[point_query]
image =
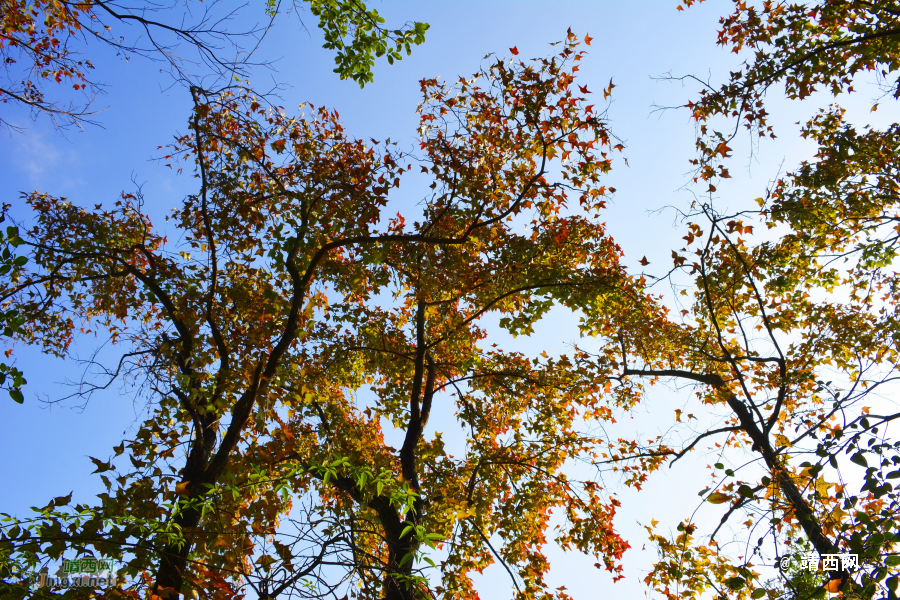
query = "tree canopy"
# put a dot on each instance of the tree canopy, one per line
(295, 321)
(792, 325)
(43, 43)
(300, 334)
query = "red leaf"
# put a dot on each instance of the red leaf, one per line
(644, 262)
(514, 50)
(583, 89)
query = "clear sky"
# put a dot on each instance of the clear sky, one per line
(46, 449)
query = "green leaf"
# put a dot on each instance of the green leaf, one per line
(17, 396)
(736, 583)
(62, 500)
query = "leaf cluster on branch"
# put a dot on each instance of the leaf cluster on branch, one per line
(790, 326)
(296, 324)
(43, 44)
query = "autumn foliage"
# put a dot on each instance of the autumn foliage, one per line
(789, 327)
(298, 322)
(46, 45)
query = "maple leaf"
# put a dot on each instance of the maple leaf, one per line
(718, 498)
(608, 91)
(514, 50)
(782, 441)
(102, 466)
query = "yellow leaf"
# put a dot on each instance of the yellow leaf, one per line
(822, 487)
(782, 441)
(836, 516)
(718, 498)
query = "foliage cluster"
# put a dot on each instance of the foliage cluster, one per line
(297, 326)
(42, 42)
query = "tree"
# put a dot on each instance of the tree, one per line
(791, 336)
(41, 43)
(297, 326)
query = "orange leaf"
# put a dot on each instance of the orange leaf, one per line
(608, 91)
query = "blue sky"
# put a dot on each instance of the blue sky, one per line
(634, 42)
